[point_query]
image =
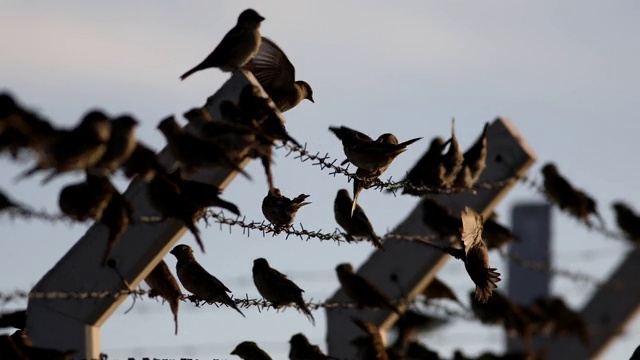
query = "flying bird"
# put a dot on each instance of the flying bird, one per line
(280, 210)
(198, 281)
(361, 290)
(276, 288)
(356, 226)
(276, 75)
(237, 47)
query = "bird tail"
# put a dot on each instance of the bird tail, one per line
(408, 142)
(115, 231)
(299, 200)
(267, 170)
(376, 242)
(27, 173)
(194, 230)
(305, 309)
(173, 304)
(229, 302)
(188, 73)
(227, 205)
(484, 290)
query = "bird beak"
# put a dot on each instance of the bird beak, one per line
(261, 18)
(311, 99)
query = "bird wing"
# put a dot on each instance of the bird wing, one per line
(471, 229)
(199, 274)
(271, 66)
(279, 279)
(351, 136)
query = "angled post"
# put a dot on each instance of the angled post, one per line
(606, 314)
(413, 264)
(66, 324)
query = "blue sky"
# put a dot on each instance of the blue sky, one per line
(565, 74)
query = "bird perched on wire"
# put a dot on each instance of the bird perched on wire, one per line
(474, 255)
(429, 172)
(475, 161)
(194, 151)
(361, 290)
(237, 47)
(116, 217)
(276, 288)
(276, 75)
(87, 199)
(560, 191)
(166, 198)
(452, 160)
(254, 106)
(249, 350)
(628, 221)
(496, 235)
(163, 284)
(280, 210)
(121, 144)
(302, 349)
(200, 194)
(142, 162)
(437, 218)
(371, 157)
(371, 346)
(439, 290)
(77, 149)
(198, 281)
(356, 226)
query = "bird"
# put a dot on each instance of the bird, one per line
(198, 281)
(276, 75)
(166, 198)
(356, 226)
(429, 172)
(561, 192)
(249, 350)
(256, 107)
(142, 163)
(361, 290)
(237, 47)
(452, 160)
(628, 221)
(121, 144)
(116, 217)
(365, 153)
(371, 346)
(194, 151)
(495, 235)
(301, 349)
(79, 148)
(87, 199)
(475, 161)
(18, 346)
(437, 289)
(437, 218)
(280, 210)
(371, 157)
(276, 288)
(202, 195)
(475, 256)
(163, 284)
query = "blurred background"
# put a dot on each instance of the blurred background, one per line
(565, 73)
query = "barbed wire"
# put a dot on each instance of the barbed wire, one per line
(327, 162)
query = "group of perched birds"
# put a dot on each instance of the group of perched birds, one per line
(100, 145)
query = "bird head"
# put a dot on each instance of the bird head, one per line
(437, 145)
(250, 16)
(182, 251)
(344, 268)
(549, 170)
(274, 192)
(245, 349)
(197, 116)
(126, 122)
(260, 263)
(343, 193)
(620, 207)
(299, 339)
(169, 126)
(387, 139)
(306, 89)
(97, 125)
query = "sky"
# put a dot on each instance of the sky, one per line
(565, 73)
